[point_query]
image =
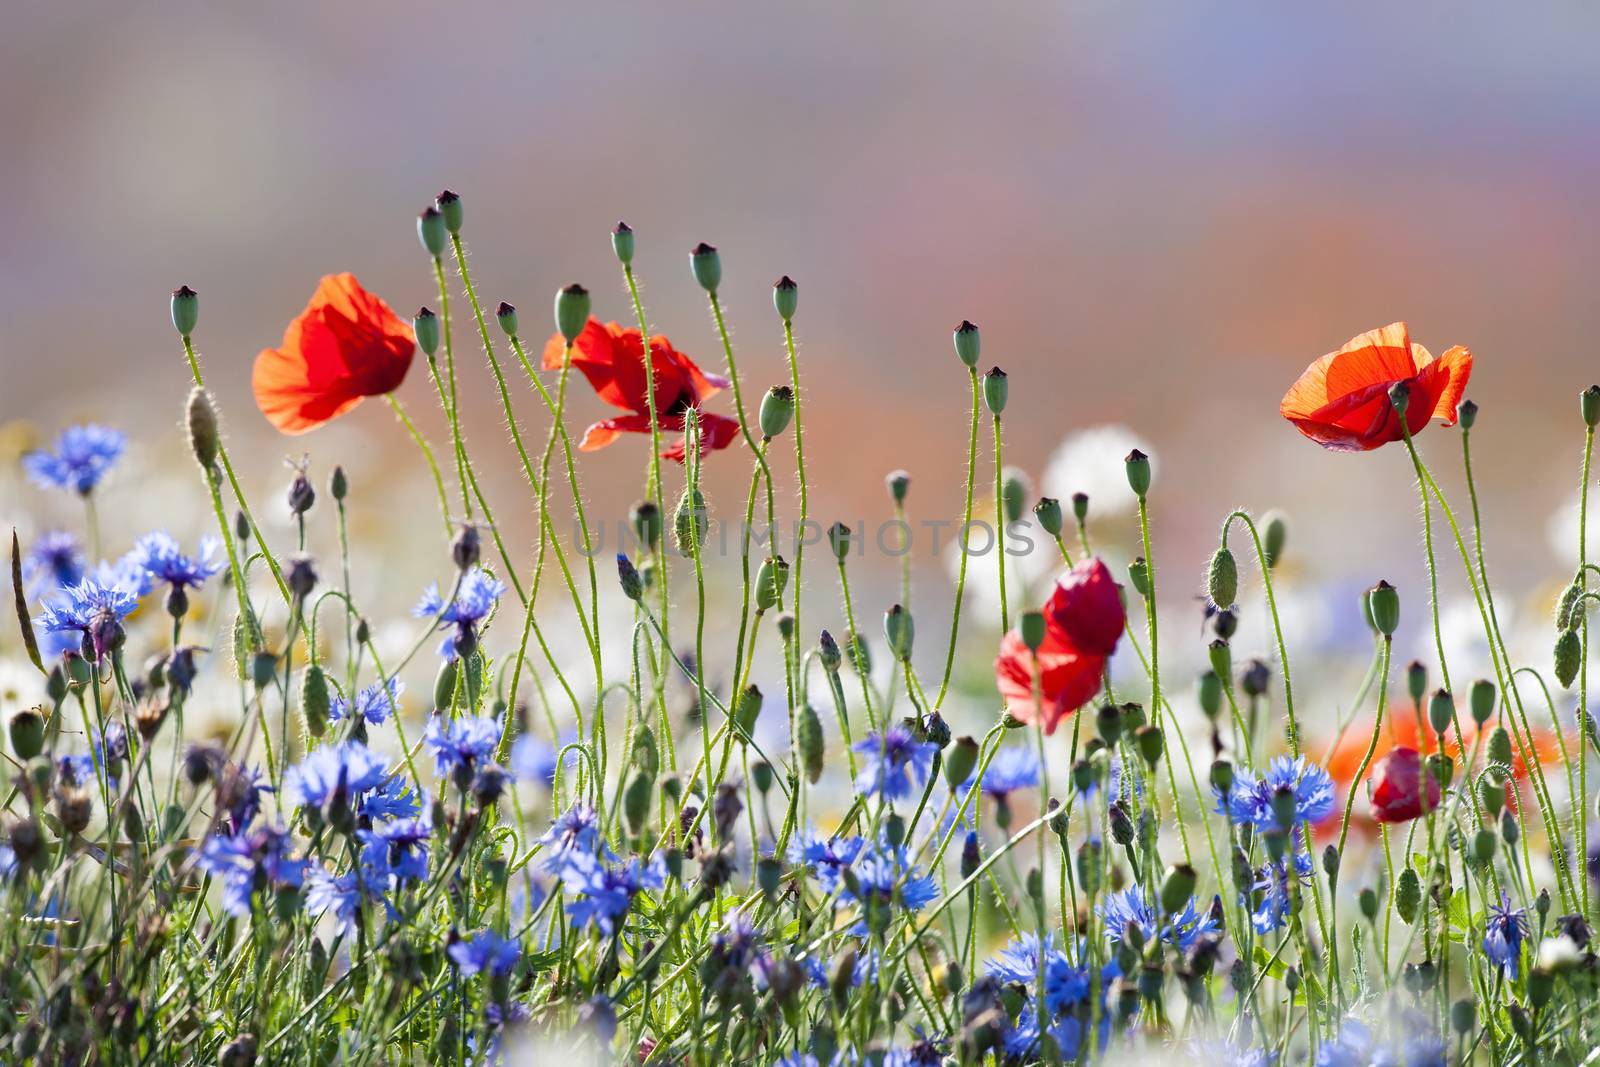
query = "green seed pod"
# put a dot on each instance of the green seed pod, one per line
(339, 484)
(1464, 1016)
(27, 733)
(506, 316)
(202, 420)
(995, 389)
(1443, 769)
(1139, 576)
(967, 343)
(1566, 617)
(646, 753)
(636, 801)
(646, 519)
(444, 684)
(1222, 776)
(1151, 743)
(1177, 887)
(1108, 721)
(628, 576)
(1568, 658)
(1330, 864)
(314, 700)
(769, 876)
(1408, 895)
(572, 311)
(1492, 795)
(808, 730)
(425, 326)
(1035, 884)
(839, 540)
(1080, 507)
(1222, 579)
(960, 761)
(1510, 832)
(1500, 746)
(1541, 983)
(431, 232)
(1032, 627)
(263, 669)
(449, 205)
(898, 631)
(1400, 398)
(785, 623)
(785, 297)
(707, 265)
(1221, 656)
(860, 655)
(1481, 700)
(1089, 866)
(747, 711)
(828, 653)
(1441, 711)
(1589, 405)
(1048, 511)
(1210, 693)
(1467, 414)
(1013, 494)
(761, 776)
(622, 242)
(1483, 846)
(186, 310)
(1273, 536)
(1367, 899)
(690, 523)
(898, 484)
(771, 580)
(954, 980)
(1137, 465)
(1383, 602)
(1416, 681)
(777, 408)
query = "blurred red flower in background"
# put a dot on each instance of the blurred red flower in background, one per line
(1342, 400)
(612, 358)
(1397, 784)
(1084, 617)
(345, 346)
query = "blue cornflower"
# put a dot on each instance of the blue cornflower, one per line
(240, 787)
(93, 610)
(1119, 910)
(885, 875)
(1352, 1047)
(485, 951)
(347, 770)
(826, 857)
(576, 830)
(606, 892)
(399, 846)
(161, 557)
(8, 862)
(396, 798)
(895, 763)
(475, 598)
(1019, 960)
(249, 860)
(81, 457)
(1270, 910)
(372, 703)
(865, 970)
(1011, 769)
(458, 745)
(54, 557)
(1507, 927)
(1227, 1053)
(1250, 801)
(533, 760)
(344, 895)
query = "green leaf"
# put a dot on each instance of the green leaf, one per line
(29, 641)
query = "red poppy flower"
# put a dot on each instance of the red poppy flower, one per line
(1342, 400)
(612, 358)
(1397, 783)
(346, 345)
(1084, 618)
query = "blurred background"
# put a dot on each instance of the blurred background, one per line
(1158, 214)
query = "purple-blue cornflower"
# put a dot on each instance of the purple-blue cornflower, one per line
(161, 557)
(372, 703)
(94, 610)
(344, 894)
(605, 892)
(1019, 960)
(826, 857)
(399, 846)
(1507, 928)
(1250, 800)
(349, 768)
(81, 457)
(485, 951)
(1270, 910)
(576, 830)
(459, 744)
(1012, 768)
(249, 860)
(477, 596)
(56, 558)
(895, 763)
(533, 760)
(396, 798)
(886, 875)
(1129, 907)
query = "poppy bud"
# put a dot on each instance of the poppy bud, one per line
(1273, 538)
(959, 763)
(202, 420)
(1210, 693)
(1108, 721)
(1139, 575)
(1225, 624)
(1464, 1016)
(785, 622)
(622, 242)
(808, 737)
(1441, 711)
(506, 315)
(1492, 795)
(839, 540)
(689, 523)
(1408, 895)
(314, 700)
(1467, 414)
(1222, 776)
(777, 408)
(898, 631)
(628, 575)
(572, 311)
(1500, 746)
(1121, 824)
(747, 710)
(860, 655)
(467, 547)
(646, 754)
(425, 325)
(444, 684)
(761, 776)
(1383, 603)
(1048, 512)
(1151, 743)
(1080, 507)
(707, 266)
(1138, 468)
(1330, 863)
(302, 575)
(771, 580)
(1568, 657)
(1588, 405)
(1255, 678)
(636, 801)
(431, 232)
(1284, 805)
(1509, 830)
(1400, 397)
(1221, 656)
(898, 483)
(828, 652)
(1013, 494)
(1483, 846)
(994, 391)
(1032, 628)
(647, 523)
(449, 205)
(1367, 900)
(1398, 785)
(27, 733)
(1222, 578)
(1416, 681)
(339, 484)
(1177, 887)
(1566, 617)
(967, 343)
